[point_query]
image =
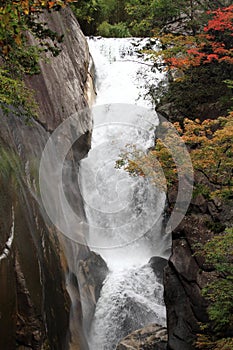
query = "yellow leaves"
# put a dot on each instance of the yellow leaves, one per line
(18, 39)
(181, 40)
(5, 50)
(206, 342)
(25, 7)
(174, 50)
(213, 151)
(51, 4)
(210, 146)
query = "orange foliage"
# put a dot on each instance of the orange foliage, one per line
(29, 6)
(210, 145)
(13, 19)
(215, 44)
(211, 148)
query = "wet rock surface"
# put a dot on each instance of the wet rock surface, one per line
(33, 294)
(91, 275)
(148, 338)
(187, 273)
(34, 302)
(158, 264)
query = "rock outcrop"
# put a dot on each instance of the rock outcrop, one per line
(158, 264)
(91, 275)
(187, 273)
(61, 88)
(151, 337)
(34, 302)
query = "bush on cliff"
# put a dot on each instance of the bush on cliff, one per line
(218, 252)
(17, 57)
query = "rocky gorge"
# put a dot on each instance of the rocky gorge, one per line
(50, 285)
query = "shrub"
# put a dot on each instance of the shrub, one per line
(118, 30)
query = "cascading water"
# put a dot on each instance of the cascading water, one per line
(124, 213)
(122, 70)
(130, 299)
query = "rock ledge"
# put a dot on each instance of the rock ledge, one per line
(150, 337)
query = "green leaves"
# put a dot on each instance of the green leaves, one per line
(219, 253)
(10, 168)
(118, 30)
(14, 93)
(17, 57)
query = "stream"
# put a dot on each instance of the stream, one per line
(124, 213)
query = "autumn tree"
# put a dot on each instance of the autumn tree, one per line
(213, 138)
(195, 61)
(214, 44)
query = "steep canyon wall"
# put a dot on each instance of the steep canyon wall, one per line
(34, 302)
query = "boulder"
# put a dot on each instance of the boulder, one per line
(158, 264)
(151, 337)
(92, 272)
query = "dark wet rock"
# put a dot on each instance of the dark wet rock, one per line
(199, 204)
(179, 313)
(182, 283)
(91, 275)
(158, 264)
(94, 270)
(32, 294)
(150, 337)
(187, 272)
(34, 302)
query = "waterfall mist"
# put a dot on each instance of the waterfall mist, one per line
(124, 213)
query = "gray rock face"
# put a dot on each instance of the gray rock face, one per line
(32, 294)
(34, 303)
(91, 275)
(187, 273)
(61, 87)
(158, 264)
(182, 283)
(148, 338)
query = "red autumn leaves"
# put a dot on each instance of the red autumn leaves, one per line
(214, 44)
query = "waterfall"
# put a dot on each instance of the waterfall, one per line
(124, 213)
(130, 299)
(9, 242)
(122, 69)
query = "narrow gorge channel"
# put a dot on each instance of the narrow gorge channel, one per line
(116, 220)
(124, 213)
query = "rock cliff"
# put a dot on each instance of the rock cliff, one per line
(187, 273)
(35, 273)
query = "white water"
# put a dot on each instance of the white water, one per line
(122, 70)
(9, 242)
(124, 213)
(127, 303)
